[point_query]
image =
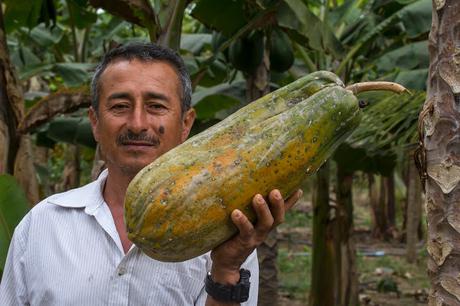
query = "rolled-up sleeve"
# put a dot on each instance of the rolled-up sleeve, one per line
(13, 289)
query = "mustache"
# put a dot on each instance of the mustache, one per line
(129, 136)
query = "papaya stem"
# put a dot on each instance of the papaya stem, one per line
(378, 85)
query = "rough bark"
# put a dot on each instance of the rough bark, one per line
(348, 277)
(324, 290)
(440, 155)
(62, 102)
(413, 212)
(11, 109)
(16, 152)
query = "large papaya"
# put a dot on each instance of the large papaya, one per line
(179, 206)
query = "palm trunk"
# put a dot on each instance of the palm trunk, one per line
(390, 201)
(377, 201)
(440, 155)
(324, 290)
(348, 280)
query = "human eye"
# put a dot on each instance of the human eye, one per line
(119, 107)
(155, 106)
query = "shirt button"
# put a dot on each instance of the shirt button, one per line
(121, 271)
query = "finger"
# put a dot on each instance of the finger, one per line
(276, 206)
(264, 216)
(245, 227)
(293, 199)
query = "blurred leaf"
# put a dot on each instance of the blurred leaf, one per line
(24, 56)
(46, 37)
(13, 207)
(72, 130)
(21, 13)
(417, 17)
(307, 29)
(410, 56)
(42, 139)
(80, 3)
(226, 16)
(29, 71)
(235, 90)
(208, 107)
(195, 42)
(413, 79)
(73, 74)
(139, 12)
(215, 74)
(82, 17)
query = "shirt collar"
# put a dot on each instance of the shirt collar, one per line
(88, 196)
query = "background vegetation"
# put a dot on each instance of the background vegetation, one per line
(236, 51)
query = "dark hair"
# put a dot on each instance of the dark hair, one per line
(147, 52)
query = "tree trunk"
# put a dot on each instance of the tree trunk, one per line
(377, 200)
(390, 206)
(324, 290)
(11, 109)
(390, 200)
(413, 212)
(348, 277)
(15, 151)
(440, 155)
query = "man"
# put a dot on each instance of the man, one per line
(72, 248)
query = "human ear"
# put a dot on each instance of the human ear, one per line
(187, 122)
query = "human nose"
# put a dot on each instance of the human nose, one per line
(137, 122)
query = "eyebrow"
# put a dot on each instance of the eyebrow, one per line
(119, 95)
(147, 95)
(156, 96)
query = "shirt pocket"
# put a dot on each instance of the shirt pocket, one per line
(176, 288)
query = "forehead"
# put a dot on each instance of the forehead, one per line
(140, 75)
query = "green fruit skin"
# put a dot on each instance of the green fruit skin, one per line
(246, 53)
(179, 206)
(281, 52)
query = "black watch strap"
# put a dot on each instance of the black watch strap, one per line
(230, 294)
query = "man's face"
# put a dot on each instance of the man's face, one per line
(140, 114)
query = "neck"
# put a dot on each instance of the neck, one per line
(115, 187)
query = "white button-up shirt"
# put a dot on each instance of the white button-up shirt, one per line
(67, 251)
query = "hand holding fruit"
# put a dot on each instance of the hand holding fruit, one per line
(229, 256)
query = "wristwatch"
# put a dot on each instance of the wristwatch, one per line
(227, 293)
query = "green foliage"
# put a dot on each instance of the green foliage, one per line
(13, 207)
(227, 21)
(307, 29)
(295, 269)
(74, 130)
(389, 123)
